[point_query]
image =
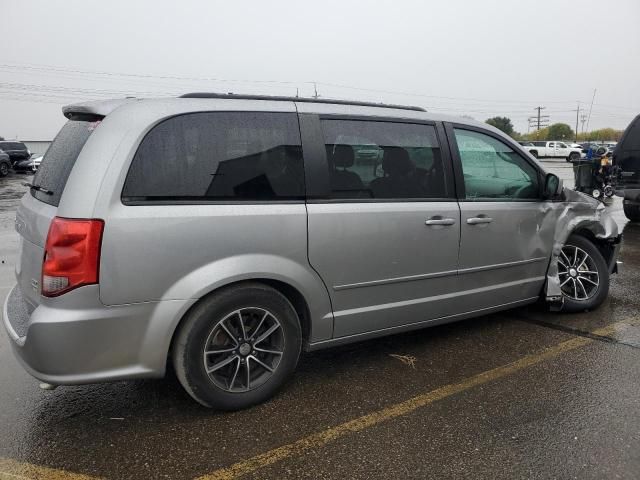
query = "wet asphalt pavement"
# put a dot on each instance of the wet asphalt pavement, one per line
(521, 394)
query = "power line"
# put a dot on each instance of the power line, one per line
(64, 70)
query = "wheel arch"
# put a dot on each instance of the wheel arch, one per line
(605, 246)
(290, 292)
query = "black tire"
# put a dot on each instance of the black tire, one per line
(573, 156)
(534, 153)
(632, 212)
(194, 334)
(4, 169)
(600, 292)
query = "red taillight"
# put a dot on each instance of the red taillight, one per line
(71, 255)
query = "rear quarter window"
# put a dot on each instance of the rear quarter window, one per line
(59, 160)
(218, 156)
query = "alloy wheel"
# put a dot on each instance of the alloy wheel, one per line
(244, 349)
(579, 278)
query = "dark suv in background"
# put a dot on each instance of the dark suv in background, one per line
(19, 155)
(626, 156)
(5, 164)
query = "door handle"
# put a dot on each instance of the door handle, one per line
(440, 221)
(479, 220)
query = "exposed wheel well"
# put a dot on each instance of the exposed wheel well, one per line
(604, 246)
(291, 293)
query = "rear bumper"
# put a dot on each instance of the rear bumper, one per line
(83, 341)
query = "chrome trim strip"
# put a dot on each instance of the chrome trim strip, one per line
(411, 278)
(416, 325)
(417, 301)
(501, 265)
(384, 281)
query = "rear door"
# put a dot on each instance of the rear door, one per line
(506, 232)
(562, 150)
(383, 222)
(37, 208)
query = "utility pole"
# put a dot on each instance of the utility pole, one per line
(315, 90)
(583, 119)
(577, 115)
(591, 108)
(539, 120)
(539, 109)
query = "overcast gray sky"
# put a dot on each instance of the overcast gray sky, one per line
(480, 58)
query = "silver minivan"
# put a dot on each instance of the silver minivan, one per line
(226, 233)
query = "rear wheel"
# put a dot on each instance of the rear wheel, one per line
(573, 156)
(237, 347)
(534, 153)
(4, 169)
(632, 212)
(583, 273)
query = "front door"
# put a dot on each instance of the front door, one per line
(506, 231)
(385, 239)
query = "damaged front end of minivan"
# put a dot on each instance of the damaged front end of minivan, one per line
(580, 214)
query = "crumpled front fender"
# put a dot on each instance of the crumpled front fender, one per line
(576, 212)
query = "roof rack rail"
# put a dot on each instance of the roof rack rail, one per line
(299, 99)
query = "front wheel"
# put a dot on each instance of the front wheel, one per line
(573, 156)
(237, 347)
(583, 273)
(632, 212)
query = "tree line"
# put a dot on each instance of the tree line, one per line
(556, 131)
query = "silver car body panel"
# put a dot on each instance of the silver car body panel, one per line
(373, 283)
(364, 269)
(510, 253)
(577, 212)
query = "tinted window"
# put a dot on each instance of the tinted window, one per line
(59, 160)
(368, 159)
(218, 156)
(12, 146)
(492, 170)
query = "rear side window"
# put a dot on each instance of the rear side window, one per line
(235, 156)
(59, 160)
(386, 160)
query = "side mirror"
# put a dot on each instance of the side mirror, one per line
(552, 187)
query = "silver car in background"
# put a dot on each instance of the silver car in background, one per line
(226, 233)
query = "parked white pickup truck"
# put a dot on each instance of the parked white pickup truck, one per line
(553, 149)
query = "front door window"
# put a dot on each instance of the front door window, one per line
(493, 170)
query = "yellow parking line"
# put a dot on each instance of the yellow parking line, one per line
(322, 438)
(12, 470)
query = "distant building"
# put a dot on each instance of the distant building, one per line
(37, 147)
